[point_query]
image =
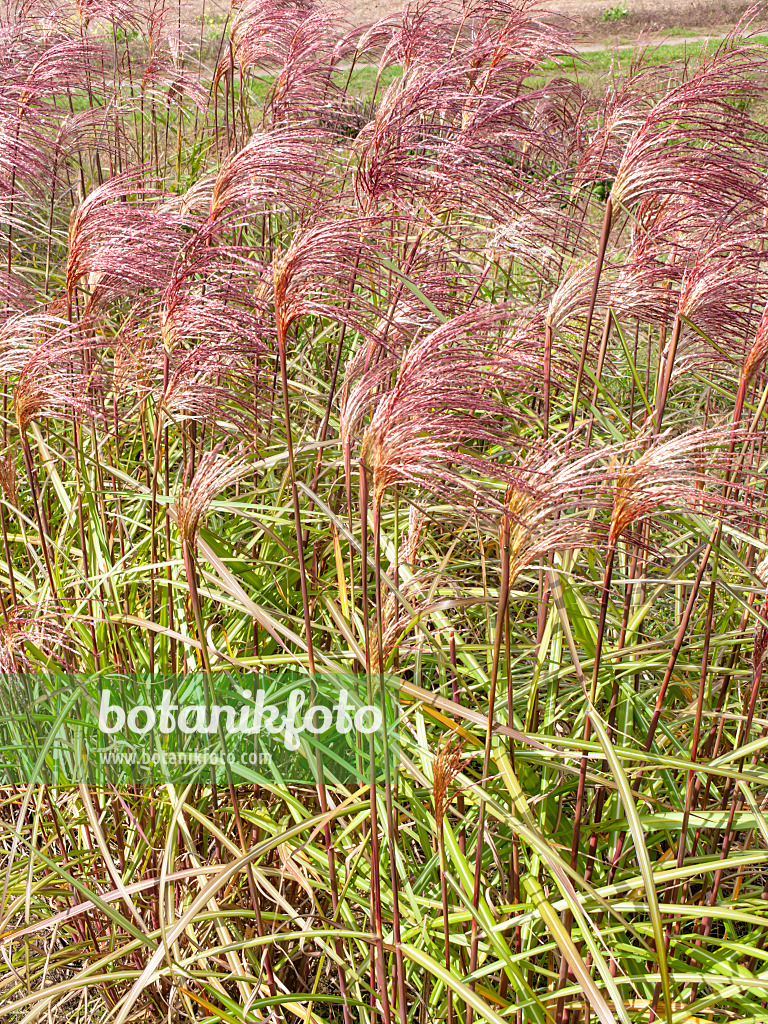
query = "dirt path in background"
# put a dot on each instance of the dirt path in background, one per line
(697, 17)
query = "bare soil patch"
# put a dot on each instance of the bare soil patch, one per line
(586, 17)
(697, 16)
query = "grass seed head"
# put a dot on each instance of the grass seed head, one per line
(213, 474)
(447, 764)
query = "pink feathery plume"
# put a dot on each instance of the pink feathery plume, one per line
(392, 159)
(572, 297)
(697, 142)
(125, 14)
(169, 83)
(373, 39)
(263, 31)
(24, 334)
(318, 269)
(436, 143)
(552, 496)
(550, 502)
(199, 317)
(50, 383)
(28, 121)
(444, 407)
(560, 110)
(647, 285)
(211, 297)
(300, 44)
(15, 294)
(24, 626)
(491, 34)
(758, 350)
(215, 379)
(511, 37)
(277, 170)
(156, 21)
(375, 360)
(720, 296)
(304, 88)
(121, 241)
(214, 473)
(457, 131)
(755, 357)
(422, 33)
(373, 363)
(8, 477)
(88, 131)
(540, 237)
(670, 475)
(62, 65)
(723, 292)
(606, 139)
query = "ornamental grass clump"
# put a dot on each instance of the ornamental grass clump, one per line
(414, 355)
